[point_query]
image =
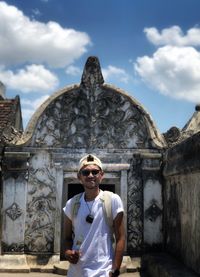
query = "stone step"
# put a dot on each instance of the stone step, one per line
(61, 268)
(14, 263)
(134, 264)
(128, 265)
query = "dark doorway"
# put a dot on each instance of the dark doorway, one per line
(74, 189)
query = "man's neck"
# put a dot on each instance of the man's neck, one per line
(91, 194)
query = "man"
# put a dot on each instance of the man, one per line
(89, 245)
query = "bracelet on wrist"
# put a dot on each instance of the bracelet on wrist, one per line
(115, 272)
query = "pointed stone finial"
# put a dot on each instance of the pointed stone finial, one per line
(197, 108)
(92, 76)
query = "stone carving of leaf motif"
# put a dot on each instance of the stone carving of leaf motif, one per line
(106, 118)
(135, 225)
(48, 127)
(39, 232)
(75, 123)
(40, 205)
(13, 248)
(116, 122)
(77, 119)
(14, 211)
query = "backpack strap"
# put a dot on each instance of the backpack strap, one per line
(106, 198)
(75, 205)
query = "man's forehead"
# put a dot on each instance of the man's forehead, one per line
(91, 166)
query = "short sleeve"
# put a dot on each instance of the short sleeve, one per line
(68, 208)
(117, 205)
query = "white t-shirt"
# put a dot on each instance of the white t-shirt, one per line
(93, 240)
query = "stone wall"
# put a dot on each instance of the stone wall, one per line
(182, 201)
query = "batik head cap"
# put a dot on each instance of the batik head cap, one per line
(89, 159)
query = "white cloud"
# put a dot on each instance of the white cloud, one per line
(112, 72)
(30, 106)
(34, 103)
(173, 71)
(23, 39)
(173, 36)
(32, 78)
(73, 70)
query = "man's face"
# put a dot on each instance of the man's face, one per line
(90, 176)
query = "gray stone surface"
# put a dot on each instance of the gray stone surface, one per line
(164, 265)
(182, 201)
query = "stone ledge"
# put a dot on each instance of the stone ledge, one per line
(134, 265)
(61, 268)
(14, 263)
(164, 265)
(28, 263)
(128, 265)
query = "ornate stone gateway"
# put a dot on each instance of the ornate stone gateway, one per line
(40, 167)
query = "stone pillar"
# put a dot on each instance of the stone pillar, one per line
(14, 201)
(152, 201)
(123, 194)
(58, 211)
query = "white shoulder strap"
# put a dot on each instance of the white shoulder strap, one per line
(106, 197)
(75, 205)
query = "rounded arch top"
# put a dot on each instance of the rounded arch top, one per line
(92, 115)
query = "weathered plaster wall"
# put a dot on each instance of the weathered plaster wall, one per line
(88, 118)
(182, 201)
(153, 207)
(40, 205)
(14, 207)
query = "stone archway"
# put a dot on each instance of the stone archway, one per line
(91, 117)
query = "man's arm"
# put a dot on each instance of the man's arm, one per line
(71, 255)
(119, 232)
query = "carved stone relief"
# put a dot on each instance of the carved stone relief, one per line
(14, 211)
(39, 233)
(153, 211)
(173, 136)
(83, 119)
(13, 248)
(135, 209)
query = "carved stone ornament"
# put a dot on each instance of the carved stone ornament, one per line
(91, 115)
(92, 77)
(13, 248)
(39, 226)
(153, 211)
(14, 211)
(172, 136)
(135, 204)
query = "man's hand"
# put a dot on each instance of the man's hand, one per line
(72, 256)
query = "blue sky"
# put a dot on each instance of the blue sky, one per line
(150, 49)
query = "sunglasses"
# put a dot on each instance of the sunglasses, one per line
(87, 172)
